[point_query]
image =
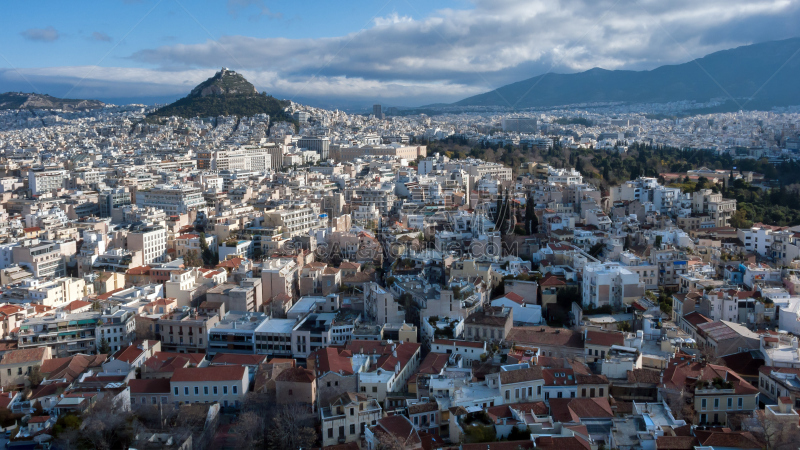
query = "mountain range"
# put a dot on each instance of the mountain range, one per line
(759, 76)
(22, 100)
(227, 93)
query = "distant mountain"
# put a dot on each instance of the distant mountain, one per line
(22, 100)
(227, 93)
(767, 72)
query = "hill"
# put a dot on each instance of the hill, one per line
(227, 93)
(22, 100)
(761, 75)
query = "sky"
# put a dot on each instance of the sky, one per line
(359, 52)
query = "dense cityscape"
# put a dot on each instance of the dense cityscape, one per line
(352, 281)
(400, 225)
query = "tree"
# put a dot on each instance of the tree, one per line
(292, 427)
(680, 402)
(191, 259)
(210, 257)
(531, 220)
(104, 348)
(35, 376)
(778, 434)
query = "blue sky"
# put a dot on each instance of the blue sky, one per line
(402, 52)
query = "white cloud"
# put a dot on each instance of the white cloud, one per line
(454, 53)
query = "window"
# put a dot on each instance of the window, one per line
(740, 403)
(352, 428)
(516, 393)
(716, 403)
(153, 399)
(703, 405)
(330, 432)
(196, 390)
(600, 392)
(560, 394)
(176, 390)
(730, 402)
(224, 390)
(235, 389)
(508, 394)
(583, 392)
(214, 390)
(538, 390)
(374, 388)
(205, 390)
(572, 394)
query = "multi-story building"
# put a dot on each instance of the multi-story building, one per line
(44, 181)
(235, 333)
(610, 284)
(172, 199)
(719, 209)
(279, 276)
(118, 328)
(347, 416)
(65, 334)
(294, 221)
(185, 331)
(319, 144)
(113, 199)
(151, 241)
(43, 258)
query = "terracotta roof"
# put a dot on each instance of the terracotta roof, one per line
(604, 338)
(560, 337)
(451, 342)
(727, 438)
(296, 375)
(433, 363)
(331, 359)
(141, 270)
(211, 373)
(514, 297)
(419, 408)
(47, 390)
(23, 355)
(39, 419)
(510, 445)
(521, 375)
(150, 386)
(675, 442)
(76, 304)
(575, 409)
(551, 280)
(400, 427)
(70, 367)
(695, 318)
(238, 359)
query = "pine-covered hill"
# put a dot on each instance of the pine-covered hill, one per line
(227, 93)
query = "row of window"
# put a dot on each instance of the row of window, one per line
(214, 390)
(739, 403)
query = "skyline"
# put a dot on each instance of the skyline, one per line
(404, 53)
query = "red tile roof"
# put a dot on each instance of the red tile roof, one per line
(331, 359)
(604, 338)
(211, 373)
(149, 386)
(237, 359)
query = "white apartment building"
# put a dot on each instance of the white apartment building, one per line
(295, 221)
(45, 181)
(610, 284)
(172, 199)
(151, 241)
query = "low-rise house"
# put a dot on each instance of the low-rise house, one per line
(297, 385)
(493, 323)
(151, 392)
(17, 365)
(347, 417)
(226, 385)
(397, 428)
(598, 343)
(550, 341)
